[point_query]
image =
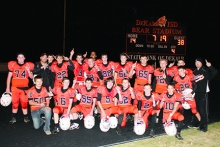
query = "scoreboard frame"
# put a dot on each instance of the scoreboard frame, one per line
(160, 37)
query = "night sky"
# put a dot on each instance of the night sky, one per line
(34, 27)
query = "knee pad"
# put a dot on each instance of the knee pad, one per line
(180, 117)
(55, 110)
(24, 105)
(194, 111)
(15, 105)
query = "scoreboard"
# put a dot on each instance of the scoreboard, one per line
(157, 36)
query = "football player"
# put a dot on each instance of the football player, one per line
(143, 73)
(125, 105)
(60, 69)
(39, 100)
(64, 98)
(170, 102)
(19, 72)
(108, 97)
(147, 106)
(184, 81)
(122, 69)
(87, 103)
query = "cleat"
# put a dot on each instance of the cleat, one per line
(152, 133)
(55, 130)
(80, 116)
(47, 132)
(74, 126)
(203, 128)
(12, 121)
(26, 120)
(118, 130)
(178, 136)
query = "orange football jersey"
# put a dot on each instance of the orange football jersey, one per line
(63, 99)
(87, 95)
(142, 73)
(120, 72)
(147, 103)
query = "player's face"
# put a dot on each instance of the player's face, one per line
(163, 64)
(110, 84)
(43, 58)
(180, 63)
(123, 59)
(66, 84)
(38, 82)
(88, 84)
(93, 55)
(104, 58)
(170, 89)
(143, 60)
(21, 58)
(79, 59)
(50, 59)
(59, 59)
(125, 84)
(147, 89)
(198, 64)
(181, 72)
(91, 62)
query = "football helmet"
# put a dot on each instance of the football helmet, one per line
(89, 122)
(104, 124)
(64, 123)
(6, 99)
(170, 128)
(139, 126)
(186, 105)
(186, 92)
(113, 122)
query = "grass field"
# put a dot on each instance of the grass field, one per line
(191, 138)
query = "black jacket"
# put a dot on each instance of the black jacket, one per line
(46, 74)
(209, 73)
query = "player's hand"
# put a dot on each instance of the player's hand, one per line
(66, 115)
(42, 104)
(96, 67)
(189, 95)
(91, 113)
(118, 88)
(171, 64)
(72, 52)
(131, 89)
(27, 68)
(134, 65)
(169, 119)
(84, 55)
(47, 108)
(103, 114)
(65, 58)
(164, 76)
(208, 64)
(50, 93)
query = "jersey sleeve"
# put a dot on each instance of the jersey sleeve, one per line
(31, 65)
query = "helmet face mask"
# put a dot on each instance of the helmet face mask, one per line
(139, 127)
(89, 122)
(64, 123)
(6, 99)
(105, 124)
(186, 105)
(186, 92)
(170, 128)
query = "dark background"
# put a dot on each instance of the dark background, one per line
(34, 27)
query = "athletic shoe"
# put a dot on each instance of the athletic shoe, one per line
(12, 121)
(74, 126)
(56, 130)
(152, 133)
(118, 130)
(80, 116)
(47, 132)
(178, 136)
(26, 120)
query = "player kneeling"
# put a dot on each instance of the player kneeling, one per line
(39, 100)
(170, 102)
(87, 95)
(64, 99)
(125, 105)
(147, 106)
(107, 101)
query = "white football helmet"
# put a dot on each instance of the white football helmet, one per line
(34, 77)
(139, 126)
(6, 99)
(89, 122)
(186, 92)
(170, 128)
(78, 96)
(64, 123)
(113, 122)
(186, 105)
(104, 124)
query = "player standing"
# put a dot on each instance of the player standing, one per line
(18, 75)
